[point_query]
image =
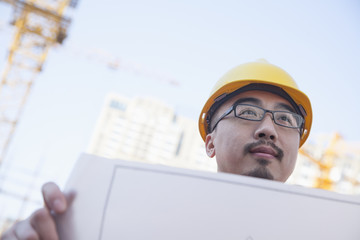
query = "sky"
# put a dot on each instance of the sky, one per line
(193, 43)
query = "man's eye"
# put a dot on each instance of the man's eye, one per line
(287, 119)
(248, 112)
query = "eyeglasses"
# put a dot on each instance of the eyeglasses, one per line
(255, 113)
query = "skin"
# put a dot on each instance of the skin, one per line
(228, 142)
(230, 149)
(41, 224)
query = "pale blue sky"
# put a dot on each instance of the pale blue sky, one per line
(195, 42)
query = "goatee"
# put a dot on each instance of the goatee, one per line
(260, 172)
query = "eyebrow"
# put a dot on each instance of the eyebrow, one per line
(258, 102)
(249, 99)
(287, 107)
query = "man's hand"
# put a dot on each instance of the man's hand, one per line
(41, 224)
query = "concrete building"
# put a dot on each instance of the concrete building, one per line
(147, 130)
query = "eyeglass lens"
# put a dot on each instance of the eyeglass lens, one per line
(254, 113)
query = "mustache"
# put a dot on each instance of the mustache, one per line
(279, 151)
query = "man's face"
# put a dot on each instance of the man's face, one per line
(254, 148)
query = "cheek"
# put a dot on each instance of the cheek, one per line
(232, 136)
(291, 148)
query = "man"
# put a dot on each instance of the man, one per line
(253, 122)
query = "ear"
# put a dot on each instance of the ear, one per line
(209, 145)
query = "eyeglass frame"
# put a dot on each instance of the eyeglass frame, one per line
(233, 107)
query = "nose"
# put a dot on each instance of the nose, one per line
(266, 129)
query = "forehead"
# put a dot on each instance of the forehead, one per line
(261, 98)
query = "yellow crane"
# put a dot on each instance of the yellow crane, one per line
(115, 63)
(325, 163)
(39, 25)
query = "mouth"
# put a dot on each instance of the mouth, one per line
(264, 152)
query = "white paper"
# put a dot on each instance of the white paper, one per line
(127, 200)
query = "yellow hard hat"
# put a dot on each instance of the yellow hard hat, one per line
(259, 72)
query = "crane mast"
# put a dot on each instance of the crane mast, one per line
(39, 25)
(325, 163)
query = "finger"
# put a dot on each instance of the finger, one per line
(53, 197)
(44, 224)
(70, 197)
(23, 230)
(9, 234)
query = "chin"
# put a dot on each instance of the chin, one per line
(261, 172)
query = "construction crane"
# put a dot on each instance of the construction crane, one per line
(117, 63)
(39, 25)
(325, 164)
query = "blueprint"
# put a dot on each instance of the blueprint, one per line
(117, 199)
